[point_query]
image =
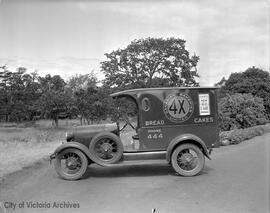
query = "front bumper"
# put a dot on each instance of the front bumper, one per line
(52, 156)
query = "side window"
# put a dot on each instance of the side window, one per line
(204, 104)
(146, 104)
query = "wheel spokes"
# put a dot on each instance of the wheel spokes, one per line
(106, 149)
(187, 160)
(71, 163)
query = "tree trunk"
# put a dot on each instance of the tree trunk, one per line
(81, 120)
(56, 121)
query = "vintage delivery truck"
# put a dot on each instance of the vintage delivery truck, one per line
(179, 125)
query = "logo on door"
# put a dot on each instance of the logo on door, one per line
(178, 108)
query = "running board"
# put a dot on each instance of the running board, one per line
(140, 158)
(137, 163)
(134, 156)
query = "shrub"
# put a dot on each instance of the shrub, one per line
(254, 81)
(240, 111)
(238, 135)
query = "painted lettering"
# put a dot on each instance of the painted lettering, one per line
(204, 120)
(154, 123)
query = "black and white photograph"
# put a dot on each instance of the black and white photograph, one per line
(134, 106)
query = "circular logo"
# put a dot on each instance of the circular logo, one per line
(178, 108)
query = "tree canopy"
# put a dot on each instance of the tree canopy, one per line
(19, 92)
(151, 62)
(90, 101)
(53, 99)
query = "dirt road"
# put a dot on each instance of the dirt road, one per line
(235, 180)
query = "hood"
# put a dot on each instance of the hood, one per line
(84, 134)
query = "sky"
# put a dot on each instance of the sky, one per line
(69, 37)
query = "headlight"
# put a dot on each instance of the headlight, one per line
(69, 136)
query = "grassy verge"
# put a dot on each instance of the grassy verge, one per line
(21, 147)
(239, 135)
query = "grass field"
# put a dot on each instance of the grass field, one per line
(20, 147)
(23, 144)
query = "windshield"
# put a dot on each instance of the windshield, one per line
(125, 113)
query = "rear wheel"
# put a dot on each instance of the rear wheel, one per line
(106, 148)
(71, 164)
(187, 159)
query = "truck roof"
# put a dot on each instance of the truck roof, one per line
(147, 90)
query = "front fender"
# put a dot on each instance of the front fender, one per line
(181, 139)
(75, 145)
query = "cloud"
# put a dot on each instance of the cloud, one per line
(229, 36)
(64, 66)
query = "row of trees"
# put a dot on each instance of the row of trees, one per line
(151, 62)
(27, 97)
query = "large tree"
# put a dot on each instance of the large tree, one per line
(92, 104)
(90, 101)
(5, 77)
(54, 98)
(151, 62)
(19, 93)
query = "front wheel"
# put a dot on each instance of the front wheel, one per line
(71, 164)
(187, 159)
(106, 148)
